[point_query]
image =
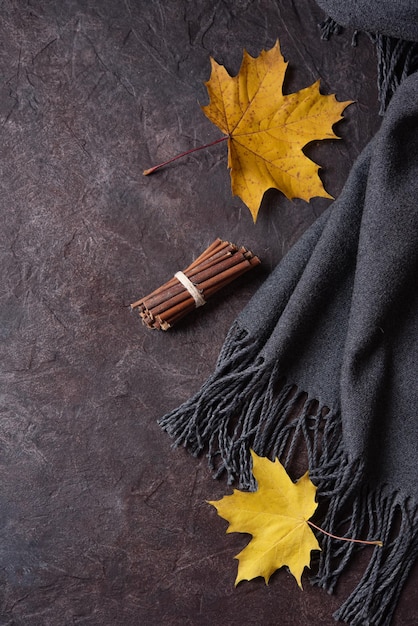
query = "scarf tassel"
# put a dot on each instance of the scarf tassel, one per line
(396, 59)
(328, 28)
(245, 404)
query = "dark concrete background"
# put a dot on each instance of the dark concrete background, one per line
(102, 523)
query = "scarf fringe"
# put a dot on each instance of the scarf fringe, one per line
(396, 59)
(328, 28)
(245, 404)
(358, 512)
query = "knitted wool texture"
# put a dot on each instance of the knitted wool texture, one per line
(325, 355)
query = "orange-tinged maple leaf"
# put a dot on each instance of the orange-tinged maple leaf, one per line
(267, 130)
(276, 516)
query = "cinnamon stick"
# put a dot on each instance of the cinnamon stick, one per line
(217, 266)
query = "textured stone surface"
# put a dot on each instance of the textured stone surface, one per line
(101, 522)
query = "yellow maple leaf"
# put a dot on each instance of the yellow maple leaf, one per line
(276, 516)
(267, 130)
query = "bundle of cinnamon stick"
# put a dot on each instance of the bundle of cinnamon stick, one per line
(221, 263)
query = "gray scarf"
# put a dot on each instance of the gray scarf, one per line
(326, 352)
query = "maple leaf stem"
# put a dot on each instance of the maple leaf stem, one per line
(370, 543)
(151, 170)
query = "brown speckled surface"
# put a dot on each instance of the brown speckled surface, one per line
(101, 522)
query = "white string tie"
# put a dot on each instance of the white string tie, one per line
(191, 288)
